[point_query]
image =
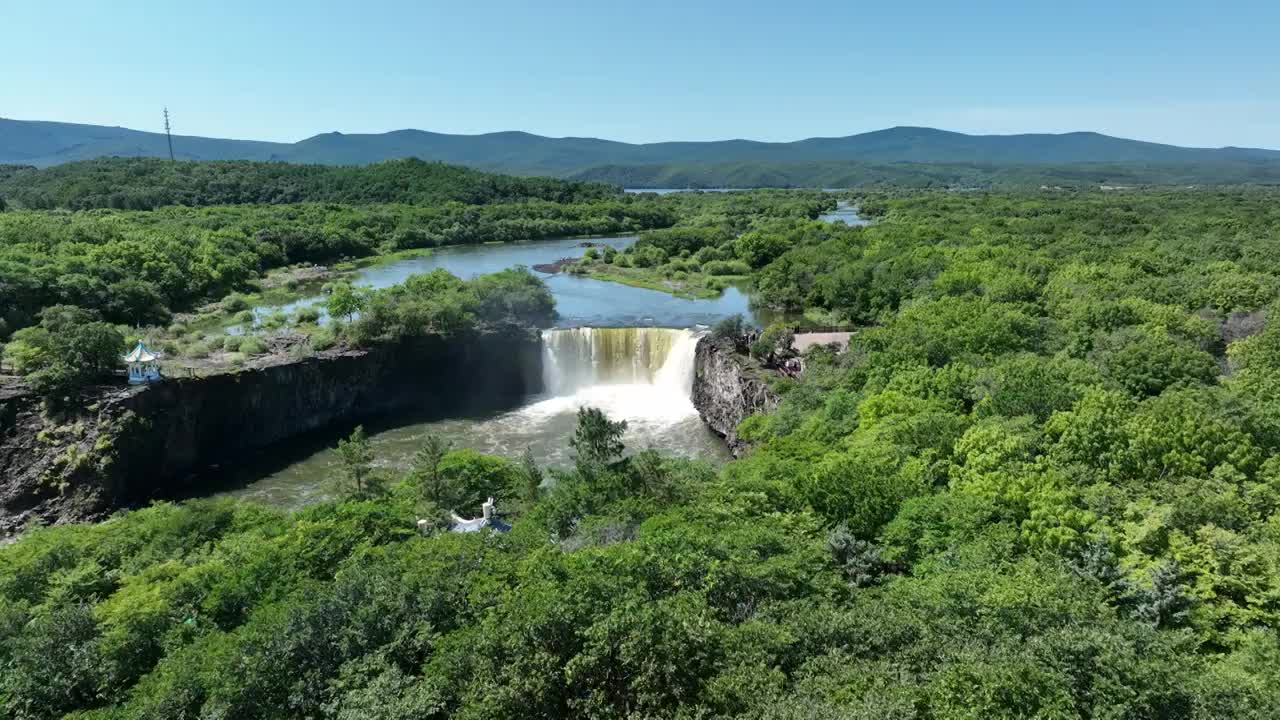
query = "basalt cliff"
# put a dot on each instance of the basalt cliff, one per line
(128, 445)
(726, 389)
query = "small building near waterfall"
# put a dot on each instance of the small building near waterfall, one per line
(143, 364)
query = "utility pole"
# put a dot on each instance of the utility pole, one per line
(167, 135)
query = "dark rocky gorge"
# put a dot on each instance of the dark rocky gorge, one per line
(127, 446)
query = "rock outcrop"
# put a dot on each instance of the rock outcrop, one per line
(727, 389)
(129, 445)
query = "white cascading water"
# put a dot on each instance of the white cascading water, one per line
(579, 358)
(640, 375)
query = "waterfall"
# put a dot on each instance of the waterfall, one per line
(577, 359)
(641, 375)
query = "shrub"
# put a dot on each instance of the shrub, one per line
(707, 254)
(345, 301)
(774, 345)
(69, 348)
(468, 478)
(645, 257)
(275, 320)
(306, 316)
(726, 267)
(196, 350)
(28, 351)
(760, 247)
(683, 240)
(730, 328)
(324, 338)
(513, 295)
(252, 346)
(234, 303)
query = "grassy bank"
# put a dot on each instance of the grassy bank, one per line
(698, 286)
(383, 259)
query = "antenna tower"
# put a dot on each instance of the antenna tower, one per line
(167, 135)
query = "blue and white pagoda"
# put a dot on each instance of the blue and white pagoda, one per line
(144, 365)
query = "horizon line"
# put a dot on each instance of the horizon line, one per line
(657, 142)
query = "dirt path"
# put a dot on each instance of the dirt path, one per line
(804, 341)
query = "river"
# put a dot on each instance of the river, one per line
(628, 351)
(579, 301)
(846, 213)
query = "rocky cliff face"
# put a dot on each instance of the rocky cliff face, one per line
(129, 445)
(726, 390)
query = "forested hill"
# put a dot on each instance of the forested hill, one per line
(145, 183)
(47, 143)
(854, 174)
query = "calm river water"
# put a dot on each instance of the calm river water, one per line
(579, 301)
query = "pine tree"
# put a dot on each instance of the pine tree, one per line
(357, 480)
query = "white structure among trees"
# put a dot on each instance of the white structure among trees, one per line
(144, 365)
(488, 520)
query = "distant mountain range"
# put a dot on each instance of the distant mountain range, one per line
(876, 153)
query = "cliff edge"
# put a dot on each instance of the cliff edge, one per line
(727, 389)
(125, 446)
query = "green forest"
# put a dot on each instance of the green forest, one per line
(1042, 482)
(148, 183)
(140, 266)
(715, 241)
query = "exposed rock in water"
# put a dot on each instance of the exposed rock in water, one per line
(126, 446)
(726, 390)
(555, 267)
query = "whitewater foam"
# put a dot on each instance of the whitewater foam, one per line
(642, 375)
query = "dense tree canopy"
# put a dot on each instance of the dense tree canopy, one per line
(148, 183)
(70, 347)
(136, 267)
(1043, 481)
(441, 303)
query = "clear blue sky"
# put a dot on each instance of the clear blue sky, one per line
(1194, 73)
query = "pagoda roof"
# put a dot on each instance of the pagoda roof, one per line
(141, 354)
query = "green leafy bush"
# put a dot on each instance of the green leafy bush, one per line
(252, 346)
(306, 316)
